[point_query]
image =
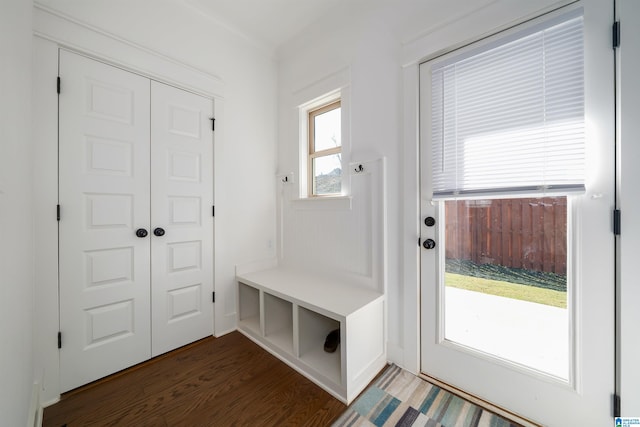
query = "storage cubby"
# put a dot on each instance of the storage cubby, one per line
(278, 322)
(249, 308)
(313, 330)
(290, 314)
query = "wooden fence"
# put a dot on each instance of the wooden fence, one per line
(522, 233)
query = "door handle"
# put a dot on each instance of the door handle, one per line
(141, 233)
(158, 232)
(429, 244)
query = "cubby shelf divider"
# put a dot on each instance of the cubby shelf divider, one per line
(290, 313)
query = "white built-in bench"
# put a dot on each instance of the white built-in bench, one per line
(290, 313)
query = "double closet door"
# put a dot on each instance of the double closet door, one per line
(136, 227)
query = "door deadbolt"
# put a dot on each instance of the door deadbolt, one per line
(429, 221)
(429, 244)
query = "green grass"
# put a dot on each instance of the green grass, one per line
(521, 276)
(509, 290)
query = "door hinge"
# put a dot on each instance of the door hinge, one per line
(58, 212)
(213, 297)
(213, 211)
(616, 405)
(59, 339)
(213, 123)
(616, 222)
(616, 34)
(58, 85)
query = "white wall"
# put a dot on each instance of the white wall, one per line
(16, 244)
(370, 53)
(381, 47)
(244, 83)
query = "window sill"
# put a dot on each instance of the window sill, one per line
(328, 203)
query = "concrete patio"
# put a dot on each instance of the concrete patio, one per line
(530, 334)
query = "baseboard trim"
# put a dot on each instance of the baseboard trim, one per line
(35, 409)
(395, 355)
(51, 402)
(225, 332)
(225, 323)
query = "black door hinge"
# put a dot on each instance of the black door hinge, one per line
(213, 123)
(58, 85)
(616, 405)
(616, 222)
(616, 34)
(59, 339)
(213, 297)
(213, 211)
(58, 212)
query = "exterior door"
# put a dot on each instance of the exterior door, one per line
(182, 200)
(551, 364)
(104, 199)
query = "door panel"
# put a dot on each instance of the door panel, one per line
(581, 396)
(182, 199)
(104, 198)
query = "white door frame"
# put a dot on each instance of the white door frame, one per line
(628, 133)
(53, 30)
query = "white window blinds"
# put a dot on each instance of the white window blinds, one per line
(509, 118)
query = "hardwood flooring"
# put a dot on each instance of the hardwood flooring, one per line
(227, 381)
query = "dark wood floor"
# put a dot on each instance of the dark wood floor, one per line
(227, 381)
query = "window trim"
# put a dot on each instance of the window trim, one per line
(312, 153)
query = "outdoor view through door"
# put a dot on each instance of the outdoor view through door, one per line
(506, 279)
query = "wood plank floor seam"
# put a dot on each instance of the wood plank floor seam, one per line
(226, 381)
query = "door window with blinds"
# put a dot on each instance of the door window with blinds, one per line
(507, 135)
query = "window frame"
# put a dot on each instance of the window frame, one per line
(312, 154)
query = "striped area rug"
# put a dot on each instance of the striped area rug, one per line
(399, 398)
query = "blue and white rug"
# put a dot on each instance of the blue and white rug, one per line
(399, 398)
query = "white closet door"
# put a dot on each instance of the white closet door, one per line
(104, 198)
(181, 205)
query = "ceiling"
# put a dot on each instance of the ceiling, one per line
(271, 22)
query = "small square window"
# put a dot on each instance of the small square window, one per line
(325, 150)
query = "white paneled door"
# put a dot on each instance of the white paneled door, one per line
(181, 217)
(129, 291)
(104, 198)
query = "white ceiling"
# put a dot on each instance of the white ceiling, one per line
(271, 22)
